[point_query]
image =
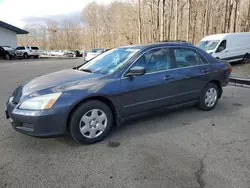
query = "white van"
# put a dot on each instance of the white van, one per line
(229, 46)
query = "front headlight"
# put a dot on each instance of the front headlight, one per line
(41, 102)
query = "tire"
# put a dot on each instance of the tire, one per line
(7, 56)
(25, 56)
(94, 127)
(246, 59)
(210, 90)
(36, 56)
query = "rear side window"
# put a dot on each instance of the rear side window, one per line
(20, 48)
(34, 48)
(187, 57)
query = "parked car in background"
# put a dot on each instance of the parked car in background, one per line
(77, 53)
(44, 52)
(29, 51)
(229, 46)
(54, 53)
(68, 53)
(7, 52)
(93, 53)
(122, 83)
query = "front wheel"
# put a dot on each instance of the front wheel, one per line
(246, 59)
(209, 97)
(7, 56)
(91, 122)
(25, 56)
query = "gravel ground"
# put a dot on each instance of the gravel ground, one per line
(241, 70)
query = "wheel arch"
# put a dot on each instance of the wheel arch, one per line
(218, 83)
(102, 99)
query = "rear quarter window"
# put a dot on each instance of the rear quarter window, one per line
(34, 48)
(185, 57)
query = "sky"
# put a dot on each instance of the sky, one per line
(22, 12)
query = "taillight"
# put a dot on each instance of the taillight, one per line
(229, 68)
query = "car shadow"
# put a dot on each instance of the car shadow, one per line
(165, 120)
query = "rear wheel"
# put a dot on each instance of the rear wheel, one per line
(246, 59)
(209, 97)
(91, 122)
(25, 56)
(36, 56)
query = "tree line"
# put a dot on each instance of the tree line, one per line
(141, 21)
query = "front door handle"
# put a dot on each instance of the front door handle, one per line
(168, 77)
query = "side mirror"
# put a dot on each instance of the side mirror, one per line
(136, 71)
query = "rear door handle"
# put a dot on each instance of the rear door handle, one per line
(205, 71)
(168, 77)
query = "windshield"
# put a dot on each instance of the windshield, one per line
(110, 61)
(7, 48)
(208, 45)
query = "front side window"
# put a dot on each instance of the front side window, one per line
(188, 57)
(155, 60)
(20, 48)
(222, 46)
(110, 61)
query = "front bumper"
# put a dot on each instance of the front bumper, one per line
(45, 123)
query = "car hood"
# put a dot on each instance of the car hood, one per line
(60, 81)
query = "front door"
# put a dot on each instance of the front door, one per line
(152, 90)
(2, 52)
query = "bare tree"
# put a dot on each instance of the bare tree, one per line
(170, 18)
(162, 19)
(188, 18)
(139, 22)
(235, 14)
(176, 19)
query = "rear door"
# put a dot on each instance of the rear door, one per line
(190, 75)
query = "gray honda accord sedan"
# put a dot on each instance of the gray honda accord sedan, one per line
(122, 83)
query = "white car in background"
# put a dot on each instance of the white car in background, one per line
(54, 53)
(29, 51)
(93, 53)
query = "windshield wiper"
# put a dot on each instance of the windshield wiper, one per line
(86, 70)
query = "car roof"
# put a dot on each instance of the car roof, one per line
(158, 44)
(223, 35)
